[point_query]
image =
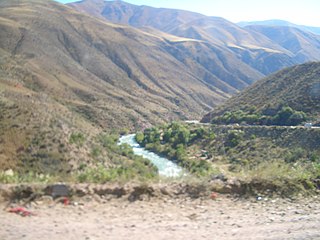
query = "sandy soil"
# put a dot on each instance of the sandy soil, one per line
(183, 218)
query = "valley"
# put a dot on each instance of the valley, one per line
(123, 121)
(76, 77)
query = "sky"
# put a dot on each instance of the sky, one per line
(303, 12)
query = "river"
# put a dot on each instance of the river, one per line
(166, 167)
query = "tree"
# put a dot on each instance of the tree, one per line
(183, 136)
(297, 118)
(140, 137)
(180, 152)
(167, 135)
(283, 116)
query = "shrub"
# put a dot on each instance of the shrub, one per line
(96, 151)
(234, 138)
(295, 155)
(139, 137)
(77, 138)
(180, 152)
(108, 140)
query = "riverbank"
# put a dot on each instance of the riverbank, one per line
(225, 217)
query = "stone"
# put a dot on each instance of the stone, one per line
(58, 190)
(45, 200)
(9, 172)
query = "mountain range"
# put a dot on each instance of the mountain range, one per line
(260, 52)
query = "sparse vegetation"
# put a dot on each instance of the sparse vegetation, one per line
(77, 138)
(30, 177)
(126, 166)
(138, 169)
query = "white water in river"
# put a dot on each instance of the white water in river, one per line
(166, 167)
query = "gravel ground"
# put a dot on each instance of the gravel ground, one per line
(167, 218)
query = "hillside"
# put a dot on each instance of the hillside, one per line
(214, 59)
(253, 49)
(65, 77)
(297, 87)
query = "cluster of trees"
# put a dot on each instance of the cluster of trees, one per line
(285, 116)
(172, 141)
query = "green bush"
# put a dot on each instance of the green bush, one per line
(140, 137)
(126, 150)
(95, 152)
(295, 155)
(109, 140)
(234, 137)
(77, 138)
(180, 153)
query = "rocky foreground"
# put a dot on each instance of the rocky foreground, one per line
(143, 212)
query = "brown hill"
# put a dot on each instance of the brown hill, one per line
(215, 59)
(297, 87)
(252, 48)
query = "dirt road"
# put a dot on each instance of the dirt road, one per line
(183, 218)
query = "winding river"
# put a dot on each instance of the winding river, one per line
(166, 167)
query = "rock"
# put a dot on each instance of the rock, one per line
(87, 199)
(259, 198)
(164, 191)
(57, 190)
(271, 219)
(97, 198)
(45, 200)
(81, 192)
(220, 176)
(9, 173)
(217, 184)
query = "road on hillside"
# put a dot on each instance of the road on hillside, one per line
(197, 122)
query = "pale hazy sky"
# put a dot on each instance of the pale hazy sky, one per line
(305, 12)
